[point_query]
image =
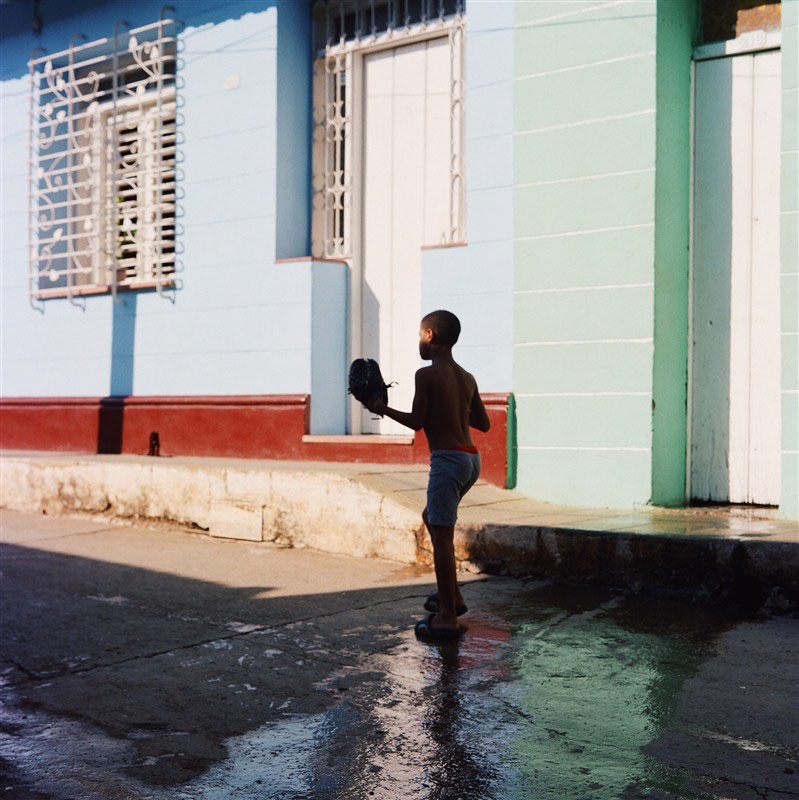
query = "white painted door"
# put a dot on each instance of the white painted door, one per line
(406, 195)
(735, 435)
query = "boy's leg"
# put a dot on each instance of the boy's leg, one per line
(459, 601)
(443, 538)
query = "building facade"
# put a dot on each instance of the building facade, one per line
(210, 208)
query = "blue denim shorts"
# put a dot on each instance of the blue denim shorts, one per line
(452, 474)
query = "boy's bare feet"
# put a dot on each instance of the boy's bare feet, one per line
(431, 603)
(436, 628)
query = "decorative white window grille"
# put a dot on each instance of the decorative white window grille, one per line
(103, 164)
(343, 30)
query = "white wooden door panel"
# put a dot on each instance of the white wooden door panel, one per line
(405, 193)
(378, 128)
(736, 343)
(740, 277)
(764, 398)
(438, 146)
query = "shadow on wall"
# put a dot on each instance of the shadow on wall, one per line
(57, 21)
(112, 408)
(712, 288)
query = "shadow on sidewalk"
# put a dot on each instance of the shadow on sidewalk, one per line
(124, 674)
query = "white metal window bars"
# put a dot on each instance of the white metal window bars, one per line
(102, 160)
(342, 27)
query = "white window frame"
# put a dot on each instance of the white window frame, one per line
(128, 231)
(79, 99)
(337, 134)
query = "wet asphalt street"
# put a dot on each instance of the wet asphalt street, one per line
(156, 663)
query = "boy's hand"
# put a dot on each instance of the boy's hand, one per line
(378, 406)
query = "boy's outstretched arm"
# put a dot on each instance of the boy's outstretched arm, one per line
(478, 416)
(418, 414)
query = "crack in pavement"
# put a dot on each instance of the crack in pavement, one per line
(52, 539)
(760, 791)
(38, 676)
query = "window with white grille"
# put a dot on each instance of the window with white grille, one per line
(103, 164)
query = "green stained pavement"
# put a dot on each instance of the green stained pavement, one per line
(601, 697)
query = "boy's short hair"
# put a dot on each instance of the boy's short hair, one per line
(445, 325)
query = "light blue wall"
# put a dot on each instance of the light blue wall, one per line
(476, 282)
(235, 326)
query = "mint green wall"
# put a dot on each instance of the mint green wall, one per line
(677, 23)
(789, 279)
(584, 250)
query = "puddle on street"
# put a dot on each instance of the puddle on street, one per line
(552, 694)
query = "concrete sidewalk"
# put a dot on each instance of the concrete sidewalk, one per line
(373, 510)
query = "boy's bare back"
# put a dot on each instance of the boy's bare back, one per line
(446, 402)
(452, 403)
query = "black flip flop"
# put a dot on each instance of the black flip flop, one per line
(424, 630)
(431, 604)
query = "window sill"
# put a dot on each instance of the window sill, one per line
(83, 291)
(443, 246)
(364, 438)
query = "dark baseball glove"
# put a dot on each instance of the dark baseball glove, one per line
(366, 382)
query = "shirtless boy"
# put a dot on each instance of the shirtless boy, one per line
(446, 404)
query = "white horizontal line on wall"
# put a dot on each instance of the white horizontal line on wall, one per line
(207, 222)
(587, 288)
(585, 232)
(582, 394)
(597, 177)
(790, 333)
(592, 121)
(475, 189)
(587, 449)
(230, 177)
(494, 135)
(532, 23)
(228, 133)
(584, 341)
(601, 63)
(789, 452)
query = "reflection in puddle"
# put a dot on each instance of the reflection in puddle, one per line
(549, 695)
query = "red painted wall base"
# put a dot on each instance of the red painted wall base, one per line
(256, 426)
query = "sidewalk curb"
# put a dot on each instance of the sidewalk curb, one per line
(347, 514)
(751, 573)
(313, 508)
